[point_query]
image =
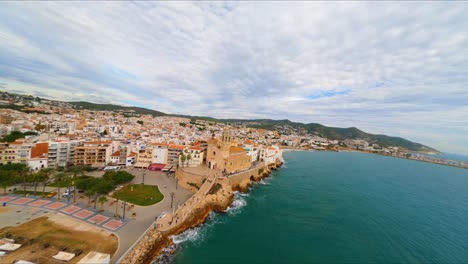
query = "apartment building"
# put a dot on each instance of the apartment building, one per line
(94, 153)
(8, 153)
(193, 156)
(62, 153)
(173, 153)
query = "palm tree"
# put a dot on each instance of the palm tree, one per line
(76, 170)
(24, 172)
(36, 178)
(102, 200)
(7, 178)
(58, 179)
(182, 159)
(189, 157)
(45, 177)
(89, 194)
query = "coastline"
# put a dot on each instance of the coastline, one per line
(216, 195)
(441, 161)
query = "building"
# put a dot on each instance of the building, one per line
(224, 155)
(174, 151)
(193, 156)
(94, 153)
(62, 153)
(160, 153)
(144, 158)
(38, 159)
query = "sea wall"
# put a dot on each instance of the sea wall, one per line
(215, 194)
(188, 179)
(242, 181)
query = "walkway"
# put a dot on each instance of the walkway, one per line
(76, 211)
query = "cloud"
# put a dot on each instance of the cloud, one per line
(393, 68)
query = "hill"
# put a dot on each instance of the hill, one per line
(112, 107)
(333, 133)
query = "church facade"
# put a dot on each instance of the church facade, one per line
(224, 155)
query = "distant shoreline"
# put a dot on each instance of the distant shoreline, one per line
(444, 161)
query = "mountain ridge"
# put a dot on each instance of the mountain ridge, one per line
(333, 133)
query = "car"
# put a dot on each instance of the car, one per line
(51, 194)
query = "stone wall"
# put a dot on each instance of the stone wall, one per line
(242, 181)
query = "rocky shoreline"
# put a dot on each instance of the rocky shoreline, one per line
(218, 199)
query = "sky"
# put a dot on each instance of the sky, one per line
(395, 68)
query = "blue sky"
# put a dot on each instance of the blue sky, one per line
(396, 68)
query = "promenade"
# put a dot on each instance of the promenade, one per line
(109, 216)
(171, 220)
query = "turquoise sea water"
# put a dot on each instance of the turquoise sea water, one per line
(327, 207)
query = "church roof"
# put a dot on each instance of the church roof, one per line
(235, 149)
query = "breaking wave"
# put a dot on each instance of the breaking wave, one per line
(237, 204)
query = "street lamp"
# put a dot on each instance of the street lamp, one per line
(143, 179)
(172, 198)
(124, 205)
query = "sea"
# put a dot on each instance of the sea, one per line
(339, 207)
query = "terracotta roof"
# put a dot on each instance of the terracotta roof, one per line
(132, 154)
(98, 142)
(248, 142)
(179, 147)
(195, 147)
(236, 149)
(116, 154)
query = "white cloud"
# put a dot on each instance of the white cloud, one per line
(394, 68)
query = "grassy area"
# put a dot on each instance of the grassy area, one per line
(42, 238)
(38, 193)
(139, 194)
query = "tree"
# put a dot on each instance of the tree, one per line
(45, 177)
(76, 170)
(118, 177)
(58, 178)
(7, 178)
(36, 178)
(89, 194)
(25, 176)
(101, 186)
(140, 122)
(102, 200)
(189, 157)
(182, 159)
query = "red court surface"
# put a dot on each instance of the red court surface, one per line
(39, 203)
(6, 199)
(98, 219)
(56, 205)
(83, 214)
(22, 201)
(113, 224)
(70, 209)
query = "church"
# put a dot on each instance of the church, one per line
(225, 155)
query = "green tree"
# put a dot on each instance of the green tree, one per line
(76, 170)
(58, 178)
(89, 194)
(100, 187)
(188, 158)
(118, 177)
(102, 200)
(45, 177)
(36, 178)
(7, 178)
(140, 122)
(182, 158)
